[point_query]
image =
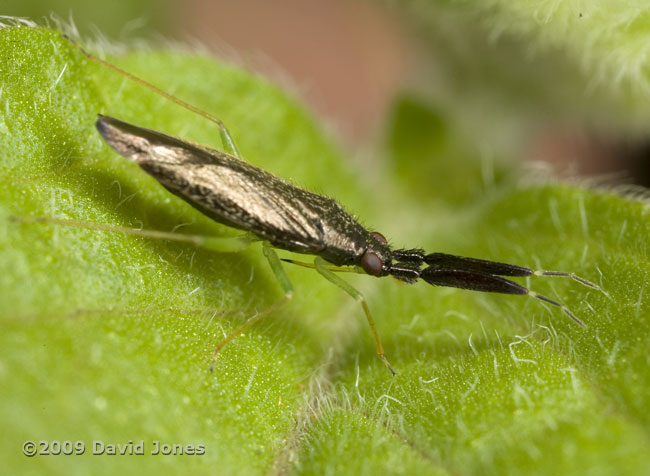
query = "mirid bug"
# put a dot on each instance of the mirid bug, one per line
(281, 215)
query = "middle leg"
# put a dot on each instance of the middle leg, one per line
(323, 268)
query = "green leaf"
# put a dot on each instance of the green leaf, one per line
(109, 337)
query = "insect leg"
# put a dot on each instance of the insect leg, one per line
(331, 267)
(278, 270)
(479, 281)
(233, 244)
(446, 261)
(573, 276)
(227, 141)
(283, 279)
(322, 268)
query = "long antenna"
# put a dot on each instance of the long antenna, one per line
(227, 141)
(144, 83)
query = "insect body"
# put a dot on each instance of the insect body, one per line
(238, 194)
(281, 215)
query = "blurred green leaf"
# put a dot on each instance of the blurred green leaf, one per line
(501, 68)
(420, 143)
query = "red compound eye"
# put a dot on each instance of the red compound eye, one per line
(379, 237)
(371, 263)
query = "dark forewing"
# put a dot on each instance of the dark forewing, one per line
(246, 197)
(225, 188)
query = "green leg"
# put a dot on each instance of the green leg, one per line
(233, 244)
(227, 141)
(322, 267)
(278, 270)
(283, 279)
(331, 267)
